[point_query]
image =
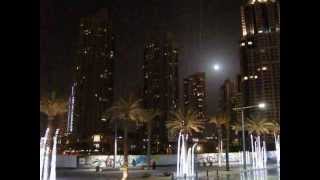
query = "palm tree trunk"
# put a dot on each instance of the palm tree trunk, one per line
(227, 147)
(125, 151)
(220, 141)
(149, 145)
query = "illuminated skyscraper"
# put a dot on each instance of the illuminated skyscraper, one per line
(260, 55)
(195, 94)
(70, 124)
(94, 75)
(161, 83)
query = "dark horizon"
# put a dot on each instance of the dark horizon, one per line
(132, 20)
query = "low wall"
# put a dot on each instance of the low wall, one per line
(106, 161)
(66, 161)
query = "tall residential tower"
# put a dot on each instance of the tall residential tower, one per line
(194, 96)
(93, 88)
(161, 83)
(260, 55)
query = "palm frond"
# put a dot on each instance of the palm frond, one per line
(185, 121)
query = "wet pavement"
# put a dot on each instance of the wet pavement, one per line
(271, 173)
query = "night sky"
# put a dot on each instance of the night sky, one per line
(220, 22)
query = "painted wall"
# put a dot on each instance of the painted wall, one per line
(66, 161)
(106, 161)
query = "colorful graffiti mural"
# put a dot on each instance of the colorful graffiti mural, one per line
(107, 161)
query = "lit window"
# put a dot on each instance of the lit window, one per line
(259, 69)
(86, 32)
(250, 42)
(101, 75)
(111, 54)
(256, 77)
(96, 138)
(243, 44)
(174, 51)
(77, 68)
(245, 78)
(264, 68)
(260, 31)
(85, 51)
(251, 77)
(165, 54)
(96, 95)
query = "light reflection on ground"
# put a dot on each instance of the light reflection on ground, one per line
(272, 173)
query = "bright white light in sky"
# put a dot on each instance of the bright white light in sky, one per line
(216, 67)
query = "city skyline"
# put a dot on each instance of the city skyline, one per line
(219, 41)
(159, 89)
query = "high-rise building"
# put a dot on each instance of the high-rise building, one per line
(231, 97)
(195, 94)
(260, 56)
(161, 82)
(93, 88)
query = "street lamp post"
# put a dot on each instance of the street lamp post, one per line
(115, 144)
(261, 106)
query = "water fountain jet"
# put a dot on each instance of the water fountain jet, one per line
(185, 158)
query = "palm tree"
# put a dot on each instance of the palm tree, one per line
(53, 107)
(184, 122)
(275, 128)
(236, 127)
(219, 121)
(148, 116)
(259, 126)
(126, 110)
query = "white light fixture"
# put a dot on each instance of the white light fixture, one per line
(245, 78)
(261, 105)
(250, 42)
(198, 148)
(264, 68)
(243, 44)
(96, 138)
(256, 77)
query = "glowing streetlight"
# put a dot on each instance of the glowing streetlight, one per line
(262, 105)
(241, 109)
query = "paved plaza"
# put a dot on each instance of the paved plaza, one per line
(271, 173)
